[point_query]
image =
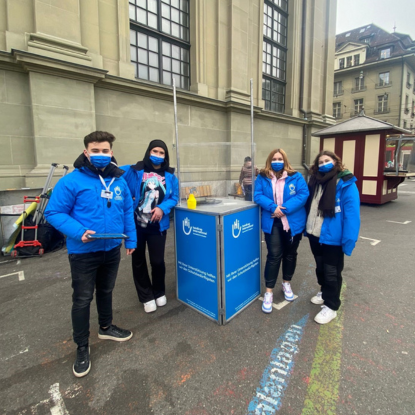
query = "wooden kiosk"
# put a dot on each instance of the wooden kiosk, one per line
(379, 154)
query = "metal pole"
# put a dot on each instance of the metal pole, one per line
(43, 195)
(65, 170)
(252, 140)
(176, 130)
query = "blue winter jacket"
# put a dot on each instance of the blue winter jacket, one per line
(295, 197)
(134, 178)
(343, 229)
(76, 205)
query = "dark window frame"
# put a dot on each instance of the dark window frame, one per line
(280, 61)
(274, 75)
(161, 37)
(282, 13)
(279, 106)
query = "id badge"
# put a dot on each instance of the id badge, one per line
(337, 209)
(106, 194)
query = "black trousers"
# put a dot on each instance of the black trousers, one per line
(248, 192)
(90, 271)
(329, 266)
(147, 289)
(281, 247)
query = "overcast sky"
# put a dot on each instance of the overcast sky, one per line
(384, 13)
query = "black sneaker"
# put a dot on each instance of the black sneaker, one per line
(115, 333)
(82, 364)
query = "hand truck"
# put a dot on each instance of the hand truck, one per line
(38, 217)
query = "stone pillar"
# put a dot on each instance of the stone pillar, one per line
(62, 110)
(89, 10)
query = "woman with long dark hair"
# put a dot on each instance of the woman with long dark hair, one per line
(333, 222)
(282, 193)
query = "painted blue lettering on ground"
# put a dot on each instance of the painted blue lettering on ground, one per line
(268, 397)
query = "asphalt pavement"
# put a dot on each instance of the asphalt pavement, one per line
(181, 363)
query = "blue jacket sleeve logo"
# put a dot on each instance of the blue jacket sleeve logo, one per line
(118, 192)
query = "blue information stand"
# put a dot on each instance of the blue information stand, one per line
(218, 257)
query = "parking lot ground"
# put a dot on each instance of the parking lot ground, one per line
(179, 362)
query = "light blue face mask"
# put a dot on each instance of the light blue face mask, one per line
(100, 161)
(156, 160)
(325, 168)
(277, 165)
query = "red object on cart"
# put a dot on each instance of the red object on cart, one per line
(35, 242)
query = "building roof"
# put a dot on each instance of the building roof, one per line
(357, 124)
(400, 43)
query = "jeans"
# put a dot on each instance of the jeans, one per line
(248, 192)
(329, 266)
(148, 290)
(89, 271)
(281, 247)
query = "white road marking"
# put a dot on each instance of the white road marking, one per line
(19, 273)
(402, 223)
(281, 304)
(406, 191)
(17, 354)
(374, 241)
(403, 185)
(55, 402)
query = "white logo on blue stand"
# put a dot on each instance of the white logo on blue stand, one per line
(186, 226)
(236, 229)
(292, 189)
(117, 192)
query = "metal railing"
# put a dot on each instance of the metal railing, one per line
(382, 111)
(383, 84)
(358, 89)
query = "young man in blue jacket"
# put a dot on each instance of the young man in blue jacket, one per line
(93, 199)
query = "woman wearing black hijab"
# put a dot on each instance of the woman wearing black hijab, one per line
(155, 190)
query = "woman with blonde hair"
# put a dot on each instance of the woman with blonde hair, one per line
(333, 222)
(282, 193)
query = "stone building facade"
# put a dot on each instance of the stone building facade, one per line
(69, 67)
(375, 69)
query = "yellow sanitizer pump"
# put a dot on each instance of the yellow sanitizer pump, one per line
(191, 201)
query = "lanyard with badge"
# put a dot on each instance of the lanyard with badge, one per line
(106, 194)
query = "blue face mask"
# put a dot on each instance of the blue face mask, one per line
(277, 165)
(325, 168)
(156, 160)
(100, 160)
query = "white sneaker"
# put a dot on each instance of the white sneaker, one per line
(325, 315)
(150, 306)
(267, 303)
(317, 299)
(288, 292)
(161, 301)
